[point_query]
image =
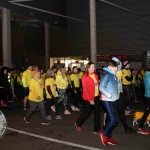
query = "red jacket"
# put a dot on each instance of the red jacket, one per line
(89, 87)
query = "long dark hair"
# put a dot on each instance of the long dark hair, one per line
(88, 66)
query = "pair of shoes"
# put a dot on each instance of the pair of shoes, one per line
(3, 104)
(112, 142)
(45, 123)
(104, 139)
(142, 131)
(77, 127)
(98, 132)
(66, 112)
(26, 120)
(73, 108)
(53, 108)
(129, 130)
(58, 117)
(49, 117)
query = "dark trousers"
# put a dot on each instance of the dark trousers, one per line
(33, 106)
(4, 94)
(87, 111)
(76, 97)
(20, 91)
(49, 104)
(121, 110)
(112, 122)
(127, 93)
(146, 112)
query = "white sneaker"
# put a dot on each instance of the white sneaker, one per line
(45, 123)
(77, 109)
(66, 112)
(73, 108)
(53, 108)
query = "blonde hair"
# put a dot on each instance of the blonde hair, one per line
(49, 73)
(63, 72)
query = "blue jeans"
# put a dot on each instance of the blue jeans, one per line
(33, 106)
(111, 108)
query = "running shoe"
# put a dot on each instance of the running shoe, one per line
(49, 117)
(73, 108)
(53, 108)
(98, 132)
(142, 131)
(58, 117)
(45, 123)
(67, 112)
(112, 142)
(77, 109)
(3, 104)
(26, 120)
(104, 139)
(78, 128)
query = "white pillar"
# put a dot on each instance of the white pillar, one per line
(47, 45)
(6, 37)
(93, 40)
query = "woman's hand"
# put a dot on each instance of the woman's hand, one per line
(75, 91)
(92, 102)
(39, 98)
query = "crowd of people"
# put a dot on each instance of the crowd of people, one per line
(110, 88)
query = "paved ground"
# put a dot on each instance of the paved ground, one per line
(61, 134)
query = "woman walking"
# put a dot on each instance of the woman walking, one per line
(90, 95)
(50, 88)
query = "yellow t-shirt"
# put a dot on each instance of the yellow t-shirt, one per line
(26, 78)
(43, 76)
(81, 74)
(36, 89)
(19, 79)
(119, 76)
(140, 77)
(68, 79)
(126, 72)
(143, 73)
(96, 84)
(11, 80)
(50, 82)
(133, 80)
(76, 79)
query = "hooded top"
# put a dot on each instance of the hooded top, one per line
(109, 86)
(61, 82)
(4, 78)
(119, 75)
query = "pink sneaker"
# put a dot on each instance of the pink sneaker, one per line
(66, 112)
(3, 104)
(142, 131)
(77, 127)
(73, 108)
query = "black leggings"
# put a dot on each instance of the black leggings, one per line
(87, 111)
(146, 112)
(127, 92)
(48, 106)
